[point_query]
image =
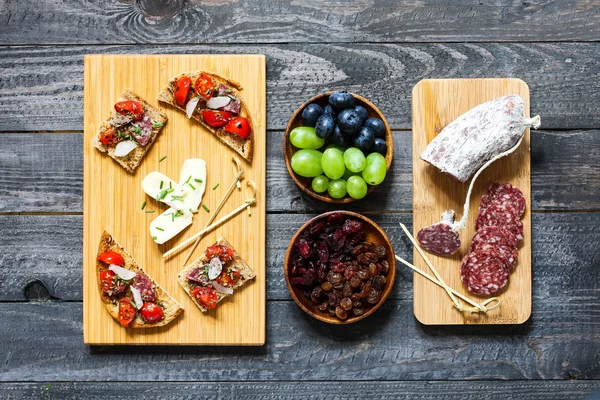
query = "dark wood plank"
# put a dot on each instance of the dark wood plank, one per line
(177, 21)
(42, 87)
(46, 251)
(42, 173)
(43, 341)
(430, 390)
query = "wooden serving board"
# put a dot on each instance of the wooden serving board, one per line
(436, 103)
(113, 199)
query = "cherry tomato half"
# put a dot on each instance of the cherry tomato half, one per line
(109, 284)
(204, 87)
(109, 137)
(228, 278)
(131, 108)
(239, 126)
(205, 295)
(111, 257)
(182, 88)
(224, 253)
(126, 311)
(151, 312)
(216, 119)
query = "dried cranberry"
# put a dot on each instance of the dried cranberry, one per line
(303, 247)
(336, 240)
(335, 219)
(316, 228)
(352, 227)
(349, 272)
(338, 267)
(323, 251)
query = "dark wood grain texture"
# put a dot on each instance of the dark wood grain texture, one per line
(41, 88)
(42, 173)
(425, 390)
(47, 250)
(226, 21)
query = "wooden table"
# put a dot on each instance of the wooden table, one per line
(377, 49)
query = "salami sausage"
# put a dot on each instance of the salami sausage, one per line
(510, 197)
(484, 272)
(478, 135)
(499, 239)
(144, 285)
(499, 215)
(439, 239)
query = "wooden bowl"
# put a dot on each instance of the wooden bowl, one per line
(289, 149)
(373, 233)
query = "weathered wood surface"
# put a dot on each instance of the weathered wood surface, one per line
(42, 87)
(47, 250)
(227, 21)
(43, 173)
(43, 342)
(426, 390)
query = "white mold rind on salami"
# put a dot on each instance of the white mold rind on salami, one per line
(477, 136)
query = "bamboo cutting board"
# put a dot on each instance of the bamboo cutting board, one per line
(436, 103)
(113, 199)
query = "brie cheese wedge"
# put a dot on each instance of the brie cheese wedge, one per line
(192, 180)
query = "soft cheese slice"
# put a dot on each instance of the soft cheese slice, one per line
(162, 188)
(168, 224)
(192, 180)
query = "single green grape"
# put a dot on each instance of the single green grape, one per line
(339, 148)
(337, 188)
(354, 159)
(375, 169)
(356, 187)
(320, 183)
(304, 137)
(307, 163)
(332, 163)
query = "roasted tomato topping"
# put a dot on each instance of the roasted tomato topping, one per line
(224, 253)
(126, 311)
(111, 257)
(228, 278)
(204, 87)
(131, 108)
(239, 126)
(182, 88)
(151, 312)
(109, 137)
(205, 295)
(109, 284)
(216, 119)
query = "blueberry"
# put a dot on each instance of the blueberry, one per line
(362, 113)
(311, 113)
(365, 139)
(376, 125)
(341, 100)
(379, 146)
(339, 139)
(349, 122)
(325, 126)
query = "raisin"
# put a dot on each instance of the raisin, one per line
(358, 311)
(380, 251)
(385, 267)
(322, 306)
(373, 269)
(334, 277)
(350, 272)
(346, 304)
(326, 286)
(341, 313)
(347, 290)
(367, 258)
(378, 282)
(373, 297)
(316, 294)
(355, 282)
(362, 275)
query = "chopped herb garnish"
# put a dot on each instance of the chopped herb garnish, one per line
(143, 205)
(232, 97)
(227, 90)
(137, 128)
(169, 190)
(150, 211)
(198, 180)
(161, 195)
(160, 229)
(205, 208)
(188, 179)
(216, 186)
(170, 185)
(161, 185)
(153, 237)
(135, 305)
(192, 186)
(162, 158)
(157, 124)
(47, 387)
(175, 197)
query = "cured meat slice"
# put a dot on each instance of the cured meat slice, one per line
(499, 239)
(479, 135)
(498, 215)
(507, 195)
(439, 239)
(484, 272)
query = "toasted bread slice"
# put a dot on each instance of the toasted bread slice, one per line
(246, 274)
(133, 159)
(244, 147)
(171, 307)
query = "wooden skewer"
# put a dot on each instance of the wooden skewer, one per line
(238, 177)
(210, 227)
(477, 307)
(236, 170)
(439, 278)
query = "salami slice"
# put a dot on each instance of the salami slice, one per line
(497, 215)
(499, 239)
(144, 285)
(484, 273)
(439, 239)
(507, 195)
